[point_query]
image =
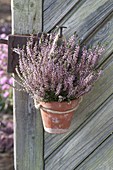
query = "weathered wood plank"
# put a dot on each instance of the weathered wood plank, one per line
(81, 144)
(28, 131)
(88, 17)
(101, 91)
(105, 37)
(55, 10)
(101, 158)
(97, 96)
(79, 17)
(28, 134)
(29, 15)
(87, 20)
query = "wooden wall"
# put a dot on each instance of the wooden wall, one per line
(89, 143)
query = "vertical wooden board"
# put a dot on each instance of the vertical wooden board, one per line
(28, 130)
(26, 16)
(28, 134)
(101, 158)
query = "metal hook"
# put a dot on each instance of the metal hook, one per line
(61, 30)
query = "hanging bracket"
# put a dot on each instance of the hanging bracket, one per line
(13, 42)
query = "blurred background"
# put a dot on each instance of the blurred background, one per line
(6, 99)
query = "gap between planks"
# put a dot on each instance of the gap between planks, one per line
(94, 156)
(106, 139)
(98, 26)
(66, 15)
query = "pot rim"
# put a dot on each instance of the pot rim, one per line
(40, 105)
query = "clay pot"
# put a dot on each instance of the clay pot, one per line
(57, 116)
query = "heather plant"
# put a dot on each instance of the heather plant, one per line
(5, 80)
(52, 72)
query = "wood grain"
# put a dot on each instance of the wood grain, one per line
(29, 15)
(83, 17)
(101, 90)
(76, 148)
(55, 10)
(28, 131)
(101, 158)
(104, 34)
(88, 17)
(93, 21)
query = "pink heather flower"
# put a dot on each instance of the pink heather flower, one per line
(50, 70)
(5, 87)
(6, 94)
(1, 62)
(3, 36)
(11, 81)
(3, 80)
(1, 72)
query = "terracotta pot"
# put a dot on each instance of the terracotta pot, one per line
(57, 116)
